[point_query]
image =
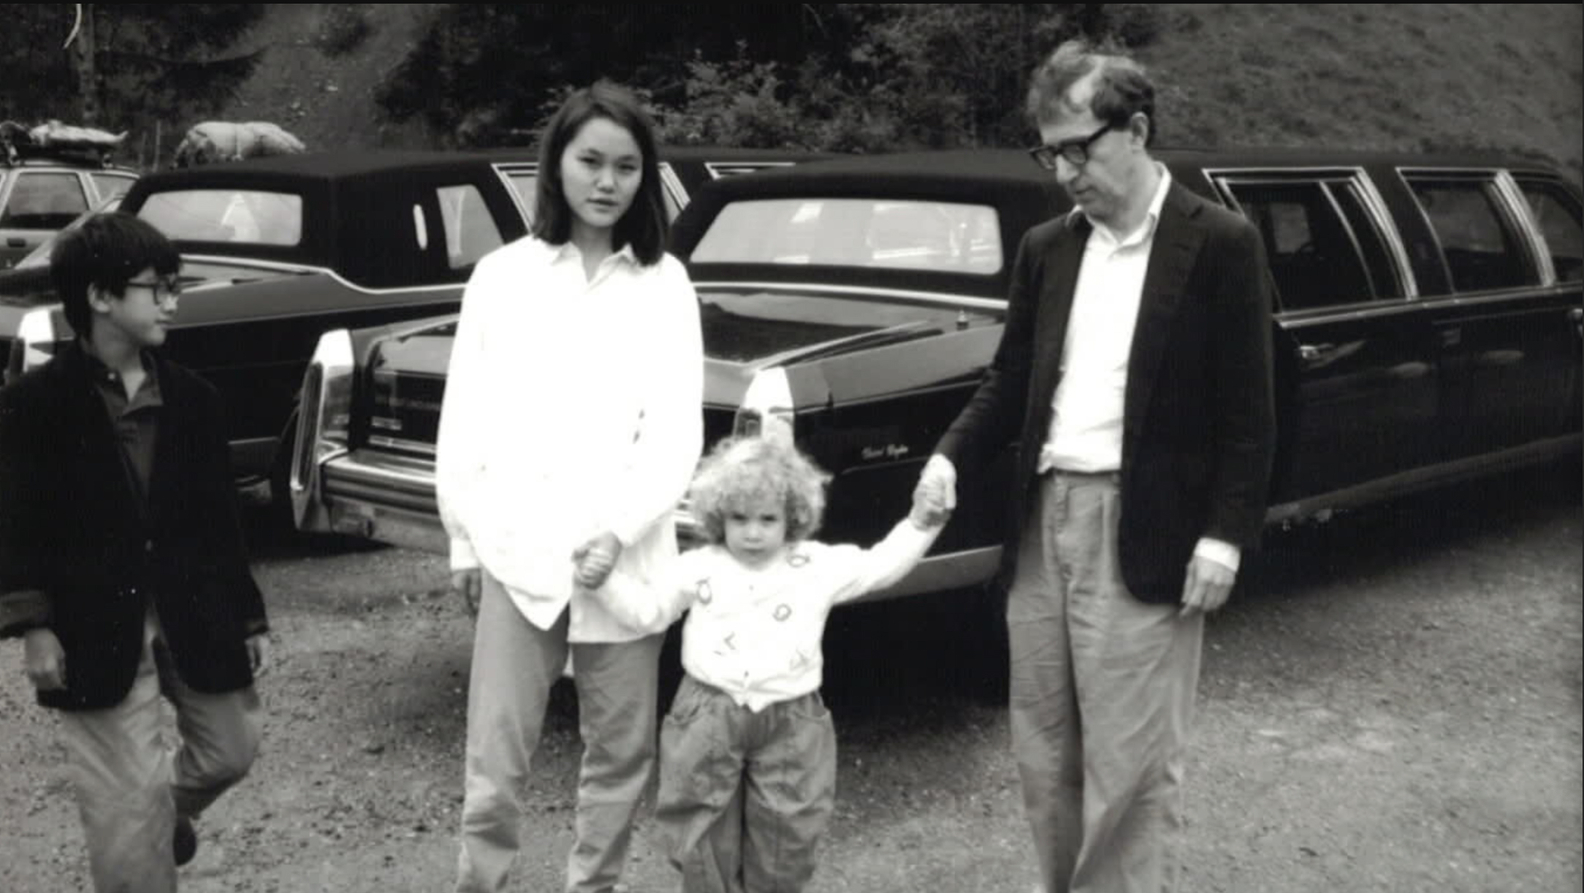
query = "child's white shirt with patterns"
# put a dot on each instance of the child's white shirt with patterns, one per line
(755, 633)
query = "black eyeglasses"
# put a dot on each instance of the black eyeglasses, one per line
(1075, 150)
(165, 291)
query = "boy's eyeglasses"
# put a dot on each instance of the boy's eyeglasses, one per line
(1076, 150)
(165, 291)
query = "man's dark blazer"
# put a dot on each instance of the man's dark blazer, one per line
(73, 527)
(1198, 425)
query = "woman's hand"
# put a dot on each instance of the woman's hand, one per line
(595, 559)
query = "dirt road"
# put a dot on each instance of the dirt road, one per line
(1393, 704)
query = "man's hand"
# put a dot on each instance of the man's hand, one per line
(469, 582)
(936, 494)
(45, 660)
(1207, 586)
(596, 559)
(258, 649)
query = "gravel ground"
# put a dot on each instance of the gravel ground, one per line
(1391, 703)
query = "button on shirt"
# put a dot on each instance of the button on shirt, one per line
(573, 407)
(1086, 424)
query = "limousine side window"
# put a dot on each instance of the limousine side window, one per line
(1556, 212)
(1478, 242)
(1322, 243)
(470, 228)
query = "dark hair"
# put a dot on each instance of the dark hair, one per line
(644, 225)
(1122, 89)
(105, 253)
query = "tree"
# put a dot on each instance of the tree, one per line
(135, 64)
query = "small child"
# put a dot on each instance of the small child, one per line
(748, 751)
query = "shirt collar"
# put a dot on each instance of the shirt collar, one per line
(104, 376)
(568, 251)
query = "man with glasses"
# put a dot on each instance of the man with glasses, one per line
(1135, 375)
(122, 563)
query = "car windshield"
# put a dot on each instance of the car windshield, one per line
(226, 215)
(946, 237)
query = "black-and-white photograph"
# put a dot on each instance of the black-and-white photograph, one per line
(791, 448)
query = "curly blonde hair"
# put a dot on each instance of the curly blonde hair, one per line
(749, 470)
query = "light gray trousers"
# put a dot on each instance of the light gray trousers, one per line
(1102, 698)
(514, 665)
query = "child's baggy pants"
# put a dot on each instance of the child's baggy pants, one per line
(745, 797)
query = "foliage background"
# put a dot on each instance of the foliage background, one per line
(853, 77)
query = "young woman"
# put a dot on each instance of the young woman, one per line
(571, 424)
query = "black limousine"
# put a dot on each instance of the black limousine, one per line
(1428, 329)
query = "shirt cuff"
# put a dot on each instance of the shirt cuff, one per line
(1219, 551)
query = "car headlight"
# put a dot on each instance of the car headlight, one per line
(324, 418)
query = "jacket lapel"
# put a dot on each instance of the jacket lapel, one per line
(1176, 245)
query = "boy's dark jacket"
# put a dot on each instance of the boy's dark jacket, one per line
(73, 527)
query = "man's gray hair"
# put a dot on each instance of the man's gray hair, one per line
(1121, 87)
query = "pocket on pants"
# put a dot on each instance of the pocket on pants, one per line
(697, 762)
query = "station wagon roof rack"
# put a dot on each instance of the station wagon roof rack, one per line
(54, 142)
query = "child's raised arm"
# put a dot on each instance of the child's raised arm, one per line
(890, 559)
(650, 605)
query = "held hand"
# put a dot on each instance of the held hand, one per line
(596, 559)
(936, 494)
(469, 583)
(44, 660)
(258, 649)
(1207, 586)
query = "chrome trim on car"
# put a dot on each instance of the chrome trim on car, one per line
(309, 269)
(925, 297)
(1425, 477)
(1374, 205)
(397, 443)
(1538, 249)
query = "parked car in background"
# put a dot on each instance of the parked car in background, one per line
(43, 191)
(275, 251)
(1428, 329)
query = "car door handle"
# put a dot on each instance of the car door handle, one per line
(15, 243)
(1311, 352)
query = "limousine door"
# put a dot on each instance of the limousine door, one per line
(1507, 315)
(1357, 391)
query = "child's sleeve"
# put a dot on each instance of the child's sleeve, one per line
(885, 562)
(657, 605)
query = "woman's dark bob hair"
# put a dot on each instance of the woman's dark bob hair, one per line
(644, 225)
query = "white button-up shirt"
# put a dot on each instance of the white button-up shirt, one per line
(1086, 424)
(573, 406)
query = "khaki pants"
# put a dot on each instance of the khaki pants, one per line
(745, 797)
(1102, 698)
(129, 790)
(514, 665)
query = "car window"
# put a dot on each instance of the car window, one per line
(1478, 243)
(855, 232)
(1556, 212)
(42, 200)
(226, 215)
(526, 183)
(40, 256)
(1322, 246)
(111, 185)
(470, 228)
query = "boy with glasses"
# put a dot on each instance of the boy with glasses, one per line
(122, 563)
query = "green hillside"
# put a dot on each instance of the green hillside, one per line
(1368, 76)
